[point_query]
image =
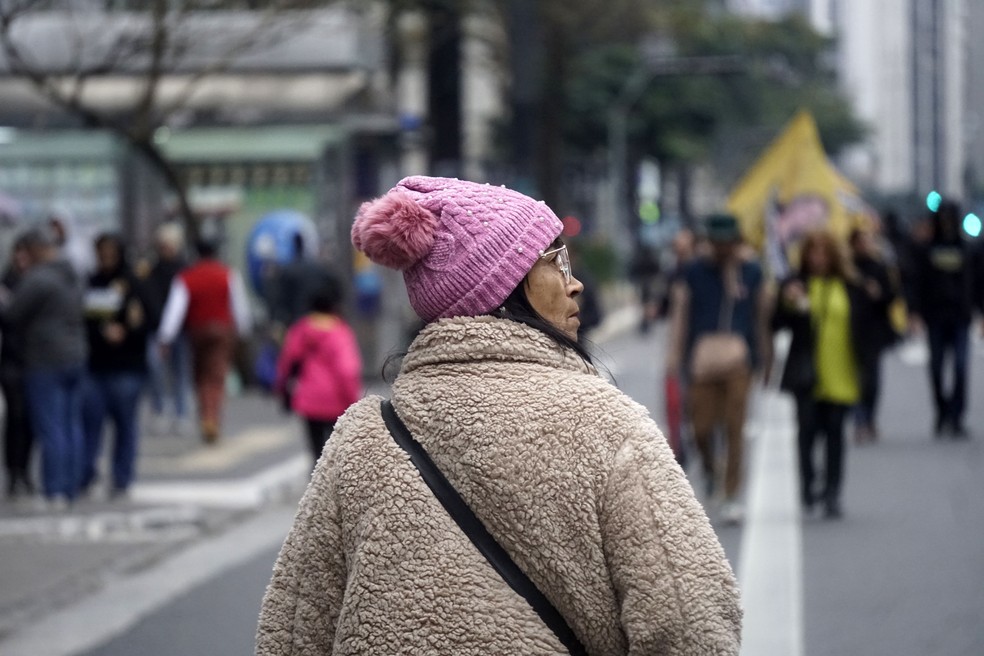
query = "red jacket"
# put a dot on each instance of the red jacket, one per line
(209, 295)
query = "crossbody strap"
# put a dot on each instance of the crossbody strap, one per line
(472, 526)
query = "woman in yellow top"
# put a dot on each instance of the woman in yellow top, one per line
(826, 311)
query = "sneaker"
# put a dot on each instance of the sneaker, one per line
(210, 432)
(732, 513)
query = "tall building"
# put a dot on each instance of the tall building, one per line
(908, 69)
(975, 99)
(904, 66)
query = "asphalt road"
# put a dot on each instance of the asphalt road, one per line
(901, 574)
(217, 618)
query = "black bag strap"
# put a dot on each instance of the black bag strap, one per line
(472, 526)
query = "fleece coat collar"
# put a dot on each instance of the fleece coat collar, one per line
(488, 339)
(572, 478)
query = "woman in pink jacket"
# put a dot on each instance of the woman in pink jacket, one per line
(320, 361)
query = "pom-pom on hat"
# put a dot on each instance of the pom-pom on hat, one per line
(463, 247)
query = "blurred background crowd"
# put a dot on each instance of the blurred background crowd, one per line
(220, 149)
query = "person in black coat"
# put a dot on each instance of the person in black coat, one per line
(18, 439)
(117, 326)
(827, 311)
(944, 298)
(880, 290)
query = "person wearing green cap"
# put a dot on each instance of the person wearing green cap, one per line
(719, 337)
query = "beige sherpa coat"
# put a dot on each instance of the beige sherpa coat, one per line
(570, 475)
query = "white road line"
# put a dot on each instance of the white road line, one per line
(771, 567)
(110, 612)
(248, 443)
(251, 492)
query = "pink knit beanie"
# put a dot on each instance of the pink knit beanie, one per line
(463, 247)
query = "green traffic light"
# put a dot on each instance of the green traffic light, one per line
(649, 212)
(972, 225)
(933, 200)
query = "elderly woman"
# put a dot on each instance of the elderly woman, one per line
(570, 477)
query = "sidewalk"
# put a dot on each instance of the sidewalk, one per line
(186, 491)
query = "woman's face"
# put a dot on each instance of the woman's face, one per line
(818, 260)
(108, 255)
(22, 259)
(552, 296)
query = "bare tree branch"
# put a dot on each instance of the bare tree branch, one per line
(267, 31)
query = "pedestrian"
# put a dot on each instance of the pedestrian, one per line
(683, 247)
(169, 378)
(46, 310)
(18, 438)
(295, 283)
(208, 300)
(117, 327)
(825, 308)
(943, 305)
(320, 363)
(644, 271)
(881, 289)
(571, 478)
(719, 338)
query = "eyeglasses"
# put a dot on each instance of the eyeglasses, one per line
(563, 261)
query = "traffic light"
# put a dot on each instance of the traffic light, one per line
(972, 225)
(933, 200)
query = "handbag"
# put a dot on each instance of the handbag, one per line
(475, 530)
(720, 354)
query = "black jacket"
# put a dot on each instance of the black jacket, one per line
(11, 344)
(116, 298)
(945, 276)
(157, 285)
(799, 374)
(880, 333)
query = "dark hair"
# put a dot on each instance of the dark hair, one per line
(840, 265)
(206, 248)
(517, 308)
(116, 241)
(327, 298)
(298, 242)
(946, 222)
(38, 237)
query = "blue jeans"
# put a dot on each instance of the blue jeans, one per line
(54, 401)
(117, 395)
(171, 377)
(952, 336)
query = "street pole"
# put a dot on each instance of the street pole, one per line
(623, 236)
(618, 137)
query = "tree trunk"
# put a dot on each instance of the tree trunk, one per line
(525, 56)
(174, 183)
(550, 141)
(444, 89)
(685, 179)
